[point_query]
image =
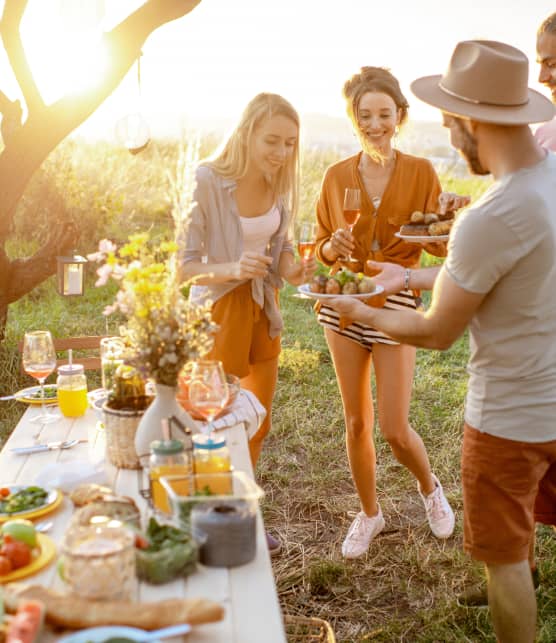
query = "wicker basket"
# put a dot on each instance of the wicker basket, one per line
(303, 629)
(120, 427)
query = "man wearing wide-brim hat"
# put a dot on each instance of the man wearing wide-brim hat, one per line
(498, 279)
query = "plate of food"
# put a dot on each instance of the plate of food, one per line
(32, 395)
(344, 282)
(427, 228)
(27, 501)
(24, 557)
(422, 238)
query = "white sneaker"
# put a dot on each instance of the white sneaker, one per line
(439, 513)
(362, 530)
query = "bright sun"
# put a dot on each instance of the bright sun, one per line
(63, 60)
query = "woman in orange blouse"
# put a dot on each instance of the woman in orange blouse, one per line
(393, 185)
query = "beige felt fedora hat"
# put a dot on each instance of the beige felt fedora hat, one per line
(486, 81)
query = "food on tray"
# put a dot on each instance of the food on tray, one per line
(50, 393)
(169, 553)
(85, 493)
(18, 542)
(25, 625)
(343, 282)
(430, 224)
(24, 499)
(74, 612)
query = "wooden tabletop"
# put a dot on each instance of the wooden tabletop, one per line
(247, 593)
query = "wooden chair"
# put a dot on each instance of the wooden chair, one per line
(90, 345)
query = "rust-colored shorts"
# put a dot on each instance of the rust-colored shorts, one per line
(507, 486)
(243, 337)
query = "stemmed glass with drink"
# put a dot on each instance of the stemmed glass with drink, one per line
(208, 389)
(306, 240)
(352, 211)
(39, 360)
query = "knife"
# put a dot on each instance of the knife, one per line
(50, 446)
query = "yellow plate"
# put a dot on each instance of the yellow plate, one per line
(39, 511)
(47, 550)
(28, 395)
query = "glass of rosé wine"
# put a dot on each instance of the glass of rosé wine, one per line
(208, 389)
(39, 360)
(306, 240)
(352, 210)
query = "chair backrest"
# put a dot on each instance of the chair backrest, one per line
(90, 345)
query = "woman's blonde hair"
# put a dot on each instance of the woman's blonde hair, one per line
(372, 79)
(230, 160)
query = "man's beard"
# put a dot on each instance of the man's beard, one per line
(469, 150)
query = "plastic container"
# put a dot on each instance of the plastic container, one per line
(168, 457)
(223, 524)
(211, 456)
(71, 386)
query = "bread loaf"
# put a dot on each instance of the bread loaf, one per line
(66, 610)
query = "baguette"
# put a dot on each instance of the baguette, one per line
(66, 610)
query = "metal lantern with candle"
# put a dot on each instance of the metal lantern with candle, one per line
(70, 275)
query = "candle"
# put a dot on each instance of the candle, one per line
(73, 280)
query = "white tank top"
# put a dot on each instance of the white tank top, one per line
(257, 231)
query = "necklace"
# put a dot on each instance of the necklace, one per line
(376, 176)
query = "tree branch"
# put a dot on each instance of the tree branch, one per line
(10, 31)
(45, 128)
(11, 117)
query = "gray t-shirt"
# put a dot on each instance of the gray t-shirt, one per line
(505, 246)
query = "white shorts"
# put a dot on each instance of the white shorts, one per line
(364, 335)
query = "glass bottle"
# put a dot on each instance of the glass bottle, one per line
(71, 390)
(168, 458)
(212, 464)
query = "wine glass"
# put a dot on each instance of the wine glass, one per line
(39, 360)
(208, 389)
(352, 210)
(306, 240)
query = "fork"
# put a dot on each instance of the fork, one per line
(50, 446)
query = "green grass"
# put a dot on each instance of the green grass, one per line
(405, 588)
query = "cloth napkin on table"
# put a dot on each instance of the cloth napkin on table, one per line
(247, 409)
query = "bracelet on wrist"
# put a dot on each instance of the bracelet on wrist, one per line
(406, 278)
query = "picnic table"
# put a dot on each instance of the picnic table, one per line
(247, 593)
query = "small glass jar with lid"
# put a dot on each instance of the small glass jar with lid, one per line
(71, 390)
(168, 458)
(212, 464)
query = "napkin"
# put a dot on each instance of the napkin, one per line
(247, 409)
(68, 475)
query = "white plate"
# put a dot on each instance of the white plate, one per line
(50, 499)
(99, 634)
(305, 290)
(426, 238)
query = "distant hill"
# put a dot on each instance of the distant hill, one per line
(422, 138)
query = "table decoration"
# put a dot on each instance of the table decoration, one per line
(164, 329)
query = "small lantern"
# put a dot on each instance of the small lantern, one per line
(70, 275)
(132, 131)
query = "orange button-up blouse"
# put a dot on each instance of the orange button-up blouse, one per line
(413, 185)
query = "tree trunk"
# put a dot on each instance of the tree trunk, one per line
(27, 145)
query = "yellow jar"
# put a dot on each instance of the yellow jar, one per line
(212, 464)
(168, 458)
(71, 391)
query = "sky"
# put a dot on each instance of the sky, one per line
(203, 68)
